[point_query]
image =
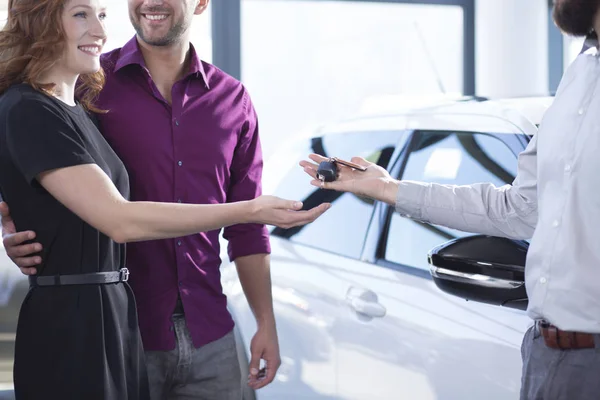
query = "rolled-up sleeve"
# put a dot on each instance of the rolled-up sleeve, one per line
(509, 211)
(245, 184)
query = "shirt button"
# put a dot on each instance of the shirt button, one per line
(180, 163)
(179, 243)
(581, 111)
(179, 200)
(180, 283)
(543, 280)
(177, 122)
(567, 168)
(555, 223)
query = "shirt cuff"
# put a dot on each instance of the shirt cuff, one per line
(410, 199)
(249, 243)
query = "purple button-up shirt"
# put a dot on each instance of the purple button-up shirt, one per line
(204, 148)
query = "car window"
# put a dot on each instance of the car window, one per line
(446, 158)
(343, 227)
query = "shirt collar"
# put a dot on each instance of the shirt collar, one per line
(131, 54)
(591, 42)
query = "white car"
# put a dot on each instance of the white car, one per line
(358, 313)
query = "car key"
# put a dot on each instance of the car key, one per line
(327, 171)
(348, 164)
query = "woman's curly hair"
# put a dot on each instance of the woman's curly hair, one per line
(32, 42)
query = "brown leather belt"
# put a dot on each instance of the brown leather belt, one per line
(563, 340)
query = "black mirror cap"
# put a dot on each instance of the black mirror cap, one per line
(482, 268)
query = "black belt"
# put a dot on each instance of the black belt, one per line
(94, 278)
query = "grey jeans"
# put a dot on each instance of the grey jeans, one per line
(551, 374)
(211, 372)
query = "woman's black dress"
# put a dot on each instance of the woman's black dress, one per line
(73, 342)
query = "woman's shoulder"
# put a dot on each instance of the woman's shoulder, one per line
(24, 93)
(24, 100)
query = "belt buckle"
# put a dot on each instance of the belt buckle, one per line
(123, 275)
(542, 324)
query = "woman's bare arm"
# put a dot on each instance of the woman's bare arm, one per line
(88, 192)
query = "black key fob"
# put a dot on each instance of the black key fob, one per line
(327, 171)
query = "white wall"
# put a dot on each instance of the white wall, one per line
(511, 47)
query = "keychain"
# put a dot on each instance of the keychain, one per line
(328, 170)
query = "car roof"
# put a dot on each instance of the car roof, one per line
(504, 115)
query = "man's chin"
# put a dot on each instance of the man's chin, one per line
(152, 39)
(156, 41)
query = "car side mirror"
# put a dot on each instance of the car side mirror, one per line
(481, 268)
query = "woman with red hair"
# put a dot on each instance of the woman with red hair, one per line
(77, 336)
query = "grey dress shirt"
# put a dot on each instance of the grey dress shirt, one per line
(554, 200)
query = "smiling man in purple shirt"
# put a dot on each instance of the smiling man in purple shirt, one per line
(187, 132)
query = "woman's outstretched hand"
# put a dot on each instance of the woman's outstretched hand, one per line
(272, 210)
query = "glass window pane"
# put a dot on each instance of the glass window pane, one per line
(461, 159)
(446, 158)
(307, 63)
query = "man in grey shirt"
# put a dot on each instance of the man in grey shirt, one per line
(555, 200)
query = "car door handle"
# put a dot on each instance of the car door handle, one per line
(365, 302)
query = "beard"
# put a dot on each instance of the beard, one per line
(575, 17)
(172, 37)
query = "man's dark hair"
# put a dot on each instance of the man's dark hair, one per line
(575, 17)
